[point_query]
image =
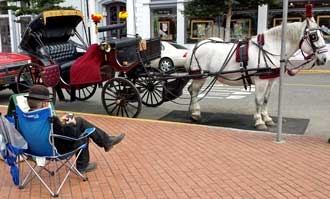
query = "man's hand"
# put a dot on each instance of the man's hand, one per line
(65, 119)
(71, 120)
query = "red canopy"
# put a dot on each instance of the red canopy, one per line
(86, 69)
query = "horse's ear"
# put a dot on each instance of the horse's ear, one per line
(310, 19)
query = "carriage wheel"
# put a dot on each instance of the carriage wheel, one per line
(121, 98)
(85, 93)
(30, 75)
(151, 89)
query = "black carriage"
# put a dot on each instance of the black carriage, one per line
(62, 60)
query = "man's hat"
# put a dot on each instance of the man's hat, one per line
(38, 92)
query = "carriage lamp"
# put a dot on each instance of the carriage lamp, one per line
(97, 19)
(105, 46)
(123, 15)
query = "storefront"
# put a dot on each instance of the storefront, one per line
(243, 25)
(166, 19)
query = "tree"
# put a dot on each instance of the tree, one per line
(212, 8)
(31, 7)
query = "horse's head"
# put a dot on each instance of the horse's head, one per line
(312, 42)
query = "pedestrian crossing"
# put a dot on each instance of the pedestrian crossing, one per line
(222, 91)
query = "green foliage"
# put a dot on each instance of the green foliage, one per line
(205, 8)
(213, 8)
(28, 7)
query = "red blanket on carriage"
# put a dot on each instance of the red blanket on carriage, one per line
(86, 69)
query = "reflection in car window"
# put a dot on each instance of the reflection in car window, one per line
(177, 46)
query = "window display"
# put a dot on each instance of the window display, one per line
(164, 23)
(240, 29)
(164, 30)
(201, 29)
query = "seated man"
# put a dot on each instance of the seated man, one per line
(38, 98)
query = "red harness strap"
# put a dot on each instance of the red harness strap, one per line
(261, 39)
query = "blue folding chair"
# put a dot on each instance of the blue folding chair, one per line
(37, 129)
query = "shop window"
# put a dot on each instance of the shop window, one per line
(164, 29)
(278, 21)
(240, 29)
(201, 29)
(164, 24)
(324, 22)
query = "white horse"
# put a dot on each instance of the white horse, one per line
(213, 56)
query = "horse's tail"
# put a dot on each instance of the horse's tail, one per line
(189, 59)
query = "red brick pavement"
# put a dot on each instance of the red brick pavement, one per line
(170, 160)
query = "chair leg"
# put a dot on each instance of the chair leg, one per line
(71, 168)
(41, 180)
(57, 181)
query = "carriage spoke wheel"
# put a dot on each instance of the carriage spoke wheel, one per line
(151, 89)
(85, 93)
(29, 75)
(121, 98)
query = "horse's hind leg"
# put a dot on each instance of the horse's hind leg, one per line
(194, 89)
(261, 87)
(264, 110)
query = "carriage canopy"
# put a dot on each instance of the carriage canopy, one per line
(50, 26)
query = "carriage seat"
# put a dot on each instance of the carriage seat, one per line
(63, 53)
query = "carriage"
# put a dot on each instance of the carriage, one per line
(61, 59)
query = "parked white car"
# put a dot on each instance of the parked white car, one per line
(173, 55)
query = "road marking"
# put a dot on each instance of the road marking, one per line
(236, 97)
(314, 72)
(222, 91)
(309, 85)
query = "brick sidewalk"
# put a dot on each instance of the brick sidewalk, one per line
(169, 160)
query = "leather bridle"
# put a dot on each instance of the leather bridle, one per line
(311, 36)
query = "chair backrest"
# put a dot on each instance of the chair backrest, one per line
(36, 128)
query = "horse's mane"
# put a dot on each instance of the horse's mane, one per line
(294, 31)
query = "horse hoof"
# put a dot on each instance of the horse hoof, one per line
(270, 123)
(261, 127)
(195, 118)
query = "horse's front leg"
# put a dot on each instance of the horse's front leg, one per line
(264, 110)
(261, 86)
(194, 89)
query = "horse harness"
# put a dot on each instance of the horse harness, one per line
(242, 57)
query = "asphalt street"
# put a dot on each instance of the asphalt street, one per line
(305, 96)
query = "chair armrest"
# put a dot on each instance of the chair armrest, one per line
(87, 132)
(84, 135)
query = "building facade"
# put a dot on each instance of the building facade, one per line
(165, 19)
